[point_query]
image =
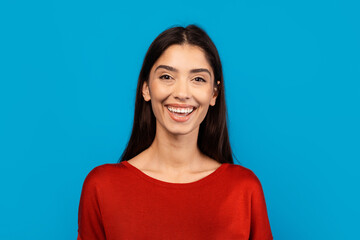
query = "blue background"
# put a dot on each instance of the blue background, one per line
(69, 70)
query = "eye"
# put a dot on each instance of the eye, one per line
(165, 76)
(199, 79)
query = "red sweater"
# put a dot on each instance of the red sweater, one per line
(118, 201)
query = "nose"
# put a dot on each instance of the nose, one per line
(181, 90)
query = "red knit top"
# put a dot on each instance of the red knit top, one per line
(119, 201)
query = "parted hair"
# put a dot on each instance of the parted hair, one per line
(213, 139)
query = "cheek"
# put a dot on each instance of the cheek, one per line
(158, 91)
(203, 96)
(158, 95)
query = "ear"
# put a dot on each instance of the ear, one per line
(146, 91)
(213, 98)
(215, 94)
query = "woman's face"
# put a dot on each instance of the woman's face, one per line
(181, 89)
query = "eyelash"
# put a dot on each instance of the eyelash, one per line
(163, 77)
(202, 80)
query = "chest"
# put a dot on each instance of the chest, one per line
(141, 212)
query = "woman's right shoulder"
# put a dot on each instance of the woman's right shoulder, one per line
(104, 172)
(105, 177)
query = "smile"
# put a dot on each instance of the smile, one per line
(180, 110)
(180, 114)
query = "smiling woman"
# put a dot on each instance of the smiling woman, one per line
(176, 178)
(182, 89)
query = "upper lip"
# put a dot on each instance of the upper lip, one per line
(180, 105)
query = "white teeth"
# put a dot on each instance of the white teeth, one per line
(180, 110)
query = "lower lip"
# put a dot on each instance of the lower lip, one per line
(179, 118)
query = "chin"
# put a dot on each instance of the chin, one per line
(181, 130)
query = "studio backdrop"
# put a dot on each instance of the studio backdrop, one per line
(69, 69)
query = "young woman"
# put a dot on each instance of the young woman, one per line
(176, 178)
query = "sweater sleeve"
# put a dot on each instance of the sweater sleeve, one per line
(90, 226)
(260, 226)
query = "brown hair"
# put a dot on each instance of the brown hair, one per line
(213, 139)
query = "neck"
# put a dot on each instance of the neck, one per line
(175, 153)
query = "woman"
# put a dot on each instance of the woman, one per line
(176, 178)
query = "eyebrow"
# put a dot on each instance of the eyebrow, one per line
(196, 70)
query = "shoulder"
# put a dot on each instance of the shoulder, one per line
(242, 172)
(244, 176)
(103, 173)
(105, 168)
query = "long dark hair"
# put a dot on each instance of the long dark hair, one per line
(213, 138)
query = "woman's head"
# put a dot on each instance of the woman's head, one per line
(180, 88)
(191, 43)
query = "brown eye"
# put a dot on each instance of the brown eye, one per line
(165, 76)
(199, 79)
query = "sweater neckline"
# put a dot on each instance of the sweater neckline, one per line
(199, 182)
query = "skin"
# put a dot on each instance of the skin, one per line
(174, 155)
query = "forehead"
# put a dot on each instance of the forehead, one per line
(184, 57)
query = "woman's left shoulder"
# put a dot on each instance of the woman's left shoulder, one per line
(242, 174)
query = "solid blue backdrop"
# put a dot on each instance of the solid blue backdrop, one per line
(69, 71)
